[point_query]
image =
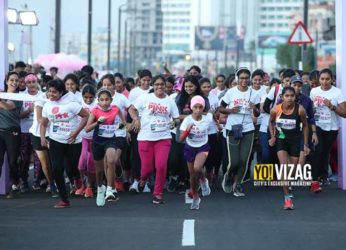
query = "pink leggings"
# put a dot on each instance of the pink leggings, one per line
(86, 160)
(154, 153)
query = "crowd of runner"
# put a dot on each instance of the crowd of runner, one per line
(98, 137)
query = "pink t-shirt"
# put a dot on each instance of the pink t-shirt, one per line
(109, 114)
(107, 128)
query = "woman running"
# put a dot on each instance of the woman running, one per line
(195, 130)
(102, 120)
(63, 111)
(86, 163)
(154, 137)
(284, 127)
(329, 104)
(10, 131)
(243, 104)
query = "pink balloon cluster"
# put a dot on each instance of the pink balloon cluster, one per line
(65, 63)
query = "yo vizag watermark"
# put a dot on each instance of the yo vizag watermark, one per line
(282, 175)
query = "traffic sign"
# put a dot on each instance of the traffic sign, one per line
(300, 35)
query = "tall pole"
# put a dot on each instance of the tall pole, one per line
(119, 36)
(3, 42)
(57, 26)
(340, 22)
(109, 36)
(306, 11)
(125, 49)
(89, 30)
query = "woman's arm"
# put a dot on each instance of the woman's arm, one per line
(272, 128)
(302, 115)
(8, 105)
(43, 129)
(91, 123)
(84, 115)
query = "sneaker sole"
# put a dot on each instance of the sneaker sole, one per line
(112, 199)
(289, 208)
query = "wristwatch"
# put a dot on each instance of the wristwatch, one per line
(333, 108)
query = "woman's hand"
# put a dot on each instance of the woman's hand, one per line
(72, 137)
(272, 141)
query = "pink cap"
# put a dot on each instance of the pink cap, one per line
(197, 100)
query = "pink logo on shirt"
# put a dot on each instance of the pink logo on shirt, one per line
(55, 110)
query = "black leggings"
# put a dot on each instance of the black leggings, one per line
(320, 158)
(10, 143)
(176, 162)
(72, 153)
(135, 159)
(215, 156)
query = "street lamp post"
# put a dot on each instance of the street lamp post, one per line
(109, 35)
(90, 6)
(57, 26)
(119, 34)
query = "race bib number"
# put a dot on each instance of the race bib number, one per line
(157, 125)
(106, 131)
(323, 115)
(244, 110)
(61, 130)
(287, 124)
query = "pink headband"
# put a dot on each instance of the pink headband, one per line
(30, 77)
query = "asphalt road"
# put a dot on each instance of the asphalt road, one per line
(256, 221)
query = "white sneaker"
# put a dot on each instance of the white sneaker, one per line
(205, 187)
(134, 187)
(146, 188)
(109, 196)
(195, 203)
(100, 199)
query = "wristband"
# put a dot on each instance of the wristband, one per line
(186, 133)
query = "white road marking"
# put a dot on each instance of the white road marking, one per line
(188, 238)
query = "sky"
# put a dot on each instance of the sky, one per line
(74, 18)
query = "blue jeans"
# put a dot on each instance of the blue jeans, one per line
(265, 156)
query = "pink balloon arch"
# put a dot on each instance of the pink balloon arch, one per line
(65, 63)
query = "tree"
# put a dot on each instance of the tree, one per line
(288, 55)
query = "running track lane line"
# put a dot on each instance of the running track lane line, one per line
(188, 238)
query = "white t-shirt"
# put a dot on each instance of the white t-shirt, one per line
(35, 128)
(88, 108)
(136, 92)
(265, 117)
(325, 118)
(63, 117)
(173, 97)
(214, 103)
(156, 117)
(234, 97)
(26, 122)
(199, 133)
(271, 94)
(122, 103)
(79, 97)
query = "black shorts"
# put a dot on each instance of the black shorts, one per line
(120, 142)
(292, 146)
(36, 143)
(99, 150)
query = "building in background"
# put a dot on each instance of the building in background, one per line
(144, 21)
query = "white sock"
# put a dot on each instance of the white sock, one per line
(109, 188)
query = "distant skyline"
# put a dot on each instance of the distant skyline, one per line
(74, 18)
